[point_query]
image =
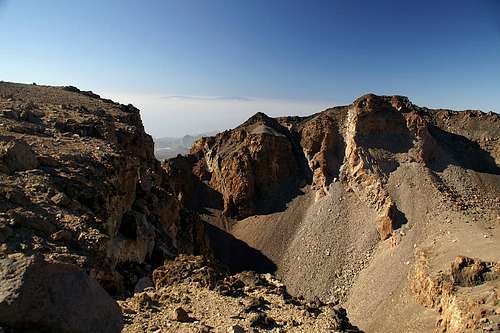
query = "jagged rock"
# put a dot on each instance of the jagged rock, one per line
(29, 219)
(179, 314)
(64, 235)
(468, 272)
(236, 329)
(323, 148)
(251, 166)
(262, 320)
(16, 155)
(465, 295)
(61, 199)
(135, 241)
(35, 294)
(93, 175)
(89, 169)
(196, 269)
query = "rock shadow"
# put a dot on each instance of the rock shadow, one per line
(386, 130)
(399, 219)
(462, 152)
(237, 255)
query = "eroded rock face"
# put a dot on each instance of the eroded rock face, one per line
(252, 166)
(79, 184)
(360, 144)
(53, 297)
(466, 296)
(323, 148)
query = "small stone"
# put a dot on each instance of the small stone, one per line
(204, 329)
(64, 235)
(61, 199)
(236, 329)
(128, 311)
(262, 320)
(180, 315)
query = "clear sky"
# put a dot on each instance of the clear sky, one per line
(200, 65)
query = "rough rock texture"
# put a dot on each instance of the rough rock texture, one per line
(323, 147)
(79, 185)
(466, 296)
(54, 297)
(86, 176)
(372, 181)
(252, 166)
(237, 303)
(17, 155)
(336, 204)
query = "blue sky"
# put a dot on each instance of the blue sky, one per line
(196, 66)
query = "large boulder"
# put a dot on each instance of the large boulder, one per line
(53, 297)
(16, 155)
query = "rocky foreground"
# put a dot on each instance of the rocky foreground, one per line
(382, 207)
(191, 295)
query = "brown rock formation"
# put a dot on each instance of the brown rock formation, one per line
(461, 309)
(312, 198)
(79, 186)
(381, 167)
(251, 166)
(264, 159)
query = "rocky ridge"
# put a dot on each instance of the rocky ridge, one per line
(337, 204)
(311, 193)
(89, 216)
(81, 190)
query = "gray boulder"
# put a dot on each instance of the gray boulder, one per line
(53, 297)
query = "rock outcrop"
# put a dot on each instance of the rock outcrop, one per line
(360, 144)
(331, 199)
(80, 187)
(252, 166)
(466, 295)
(53, 297)
(189, 297)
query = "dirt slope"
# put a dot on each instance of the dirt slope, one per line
(366, 187)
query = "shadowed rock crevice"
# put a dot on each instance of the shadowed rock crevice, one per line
(462, 152)
(236, 254)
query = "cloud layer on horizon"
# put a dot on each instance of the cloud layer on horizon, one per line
(178, 115)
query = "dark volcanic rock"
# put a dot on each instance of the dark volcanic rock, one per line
(35, 294)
